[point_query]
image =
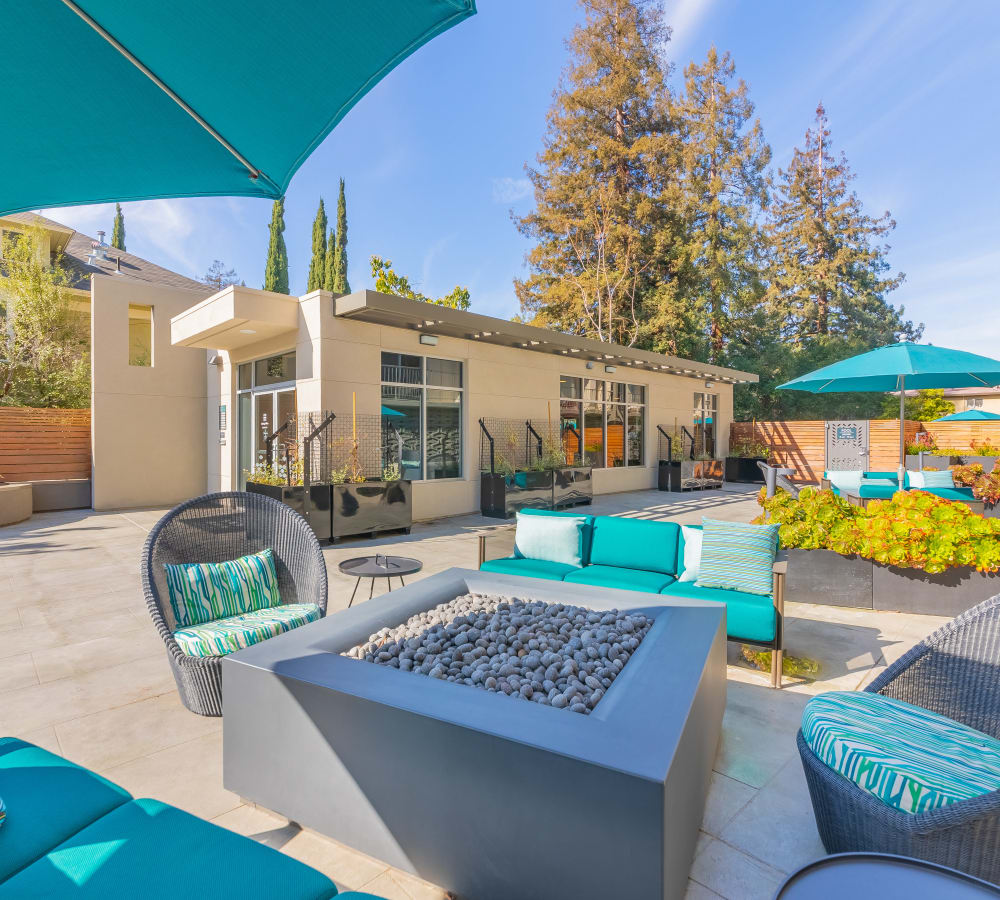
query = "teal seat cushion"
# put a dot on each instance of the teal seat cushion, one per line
(891, 476)
(908, 757)
(205, 592)
(624, 579)
(530, 568)
(48, 799)
(635, 544)
(748, 616)
(146, 849)
(961, 494)
(587, 531)
(228, 635)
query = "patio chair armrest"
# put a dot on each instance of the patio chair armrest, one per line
(780, 572)
(825, 484)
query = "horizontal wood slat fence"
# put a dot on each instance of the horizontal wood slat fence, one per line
(44, 444)
(802, 445)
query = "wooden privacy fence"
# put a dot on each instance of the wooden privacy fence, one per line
(44, 444)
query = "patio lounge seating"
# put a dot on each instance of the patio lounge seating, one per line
(640, 555)
(953, 673)
(70, 833)
(220, 527)
(860, 487)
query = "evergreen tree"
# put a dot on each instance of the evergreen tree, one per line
(724, 189)
(600, 206)
(118, 229)
(830, 275)
(317, 263)
(276, 268)
(340, 283)
(330, 267)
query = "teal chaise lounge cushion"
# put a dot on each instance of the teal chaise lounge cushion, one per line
(151, 851)
(530, 568)
(635, 544)
(748, 616)
(226, 636)
(908, 757)
(48, 799)
(622, 578)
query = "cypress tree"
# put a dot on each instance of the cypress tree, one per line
(118, 229)
(329, 268)
(340, 282)
(317, 264)
(276, 268)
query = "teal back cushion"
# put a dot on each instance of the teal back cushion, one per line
(635, 544)
(586, 535)
(844, 480)
(938, 479)
(737, 556)
(204, 592)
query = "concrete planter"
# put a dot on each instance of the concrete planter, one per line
(987, 462)
(370, 507)
(503, 495)
(15, 502)
(572, 485)
(929, 461)
(744, 469)
(827, 578)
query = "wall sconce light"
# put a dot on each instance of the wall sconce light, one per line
(215, 360)
(429, 339)
(710, 384)
(610, 370)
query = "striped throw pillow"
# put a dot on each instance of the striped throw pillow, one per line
(908, 757)
(3, 811)
(204, 592)
(737, 556)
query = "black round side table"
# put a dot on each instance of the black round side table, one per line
(379, 566)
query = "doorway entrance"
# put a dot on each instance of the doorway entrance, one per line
(266, 401)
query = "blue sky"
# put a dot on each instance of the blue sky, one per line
(434, 156)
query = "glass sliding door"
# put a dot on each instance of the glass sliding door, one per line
(265, 402)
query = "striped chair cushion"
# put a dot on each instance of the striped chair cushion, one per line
(3, 811)
(908, 757)
(205, 592)
(737, 556)
(228, 635)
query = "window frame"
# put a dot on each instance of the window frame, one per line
(423, 386)
(626, 405)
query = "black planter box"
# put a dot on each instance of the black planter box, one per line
(744, 470)
(689, 474)
(829, 579)
(318, 515)
(503, 495)
(572, 485)
(369, 507)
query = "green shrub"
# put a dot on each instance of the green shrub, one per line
(913, 530)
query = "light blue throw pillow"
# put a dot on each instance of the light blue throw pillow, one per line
(690, 553)
(555, 539)
(738, 557)
(938, 479)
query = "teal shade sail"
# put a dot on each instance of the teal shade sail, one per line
(134, 99)
(921, 366)
(971, 415)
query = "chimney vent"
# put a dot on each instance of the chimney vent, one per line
(102, 248)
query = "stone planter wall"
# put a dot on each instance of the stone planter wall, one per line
(15, 502)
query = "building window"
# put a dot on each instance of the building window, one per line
(422, 415)
(266, 401)
(706, 416)
(140, 335)
(974, 403)
(612, 416)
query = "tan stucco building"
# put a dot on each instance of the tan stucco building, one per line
(986, 399)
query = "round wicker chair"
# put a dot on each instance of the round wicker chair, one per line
(214, 528)
(954, 672)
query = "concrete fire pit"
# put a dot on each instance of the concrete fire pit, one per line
(482, 793)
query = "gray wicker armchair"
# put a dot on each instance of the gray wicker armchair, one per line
(954, 672)
(214, 528)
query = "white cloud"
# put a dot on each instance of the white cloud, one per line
(684, 18)
(510, 190)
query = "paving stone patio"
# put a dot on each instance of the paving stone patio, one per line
(83, 673)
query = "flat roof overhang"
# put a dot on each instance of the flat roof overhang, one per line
(235, 317)
(382, 309)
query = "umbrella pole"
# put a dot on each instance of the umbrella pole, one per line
(902, 430)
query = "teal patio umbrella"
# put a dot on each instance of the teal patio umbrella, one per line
(901, 367)
(110, 100)
(971, 415)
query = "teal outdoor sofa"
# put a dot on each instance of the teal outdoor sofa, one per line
(860, 487)
(72, 834)
(642, 555)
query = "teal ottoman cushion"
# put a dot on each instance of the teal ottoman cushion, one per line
(530, 568)
(748, 616)
(619, 578)
(48, 799)
(635, 544)
(908, 757)
(151, 851)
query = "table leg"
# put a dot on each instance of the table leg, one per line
(388, 581)
(356, 583)
(403, 583)
(371, 590)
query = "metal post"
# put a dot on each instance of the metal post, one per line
(902, 430)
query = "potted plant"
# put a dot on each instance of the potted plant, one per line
(914, 553)
(741, 463)
(982, 452)
(923, 453)
(362, 505)
(283, 481)
(572, 484)
(987, 489)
